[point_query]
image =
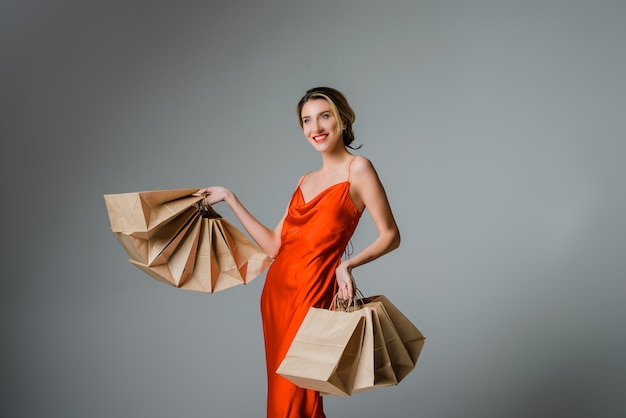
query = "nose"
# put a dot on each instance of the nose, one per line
(317, 126)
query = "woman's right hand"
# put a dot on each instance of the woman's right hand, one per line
(214, 194)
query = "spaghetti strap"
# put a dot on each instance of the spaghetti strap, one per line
(349, 167)
(303, 177)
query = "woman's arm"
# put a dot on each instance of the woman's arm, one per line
(267, 239)
(368, 192)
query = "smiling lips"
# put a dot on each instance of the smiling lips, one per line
(320, 138)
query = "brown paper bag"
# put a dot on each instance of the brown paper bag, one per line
(403, 340)
(178, 239)
(374, 369)
(146, 211)
(325, 352)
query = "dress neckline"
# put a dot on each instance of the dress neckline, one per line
(314, 198)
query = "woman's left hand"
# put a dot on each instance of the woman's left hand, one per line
(345, 282)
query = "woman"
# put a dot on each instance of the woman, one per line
(309, 240)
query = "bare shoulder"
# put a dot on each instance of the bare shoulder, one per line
(301, 179)
(365, 186)
(362, 168)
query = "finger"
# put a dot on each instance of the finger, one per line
(345, 291)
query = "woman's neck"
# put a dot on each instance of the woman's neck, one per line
(331, 160)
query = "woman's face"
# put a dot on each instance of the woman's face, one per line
(320, 126)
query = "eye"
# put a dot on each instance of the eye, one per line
(306, 120)
(326, 116)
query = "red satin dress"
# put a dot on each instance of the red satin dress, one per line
(313, 239)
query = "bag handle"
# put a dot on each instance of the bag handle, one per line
(206, 210)
(347, 305)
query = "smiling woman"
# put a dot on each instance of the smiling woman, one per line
(338, 106)
(309, 240)
(320, 125)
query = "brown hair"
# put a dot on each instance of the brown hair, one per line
(339, 107)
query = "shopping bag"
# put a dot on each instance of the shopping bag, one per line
(177, 238)
(374, 369)
(147, 211)
(325, 352)
(403, 340)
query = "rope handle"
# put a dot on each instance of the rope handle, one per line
(347, 305)
(205, 209)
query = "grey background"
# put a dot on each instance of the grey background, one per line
(497, 128)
